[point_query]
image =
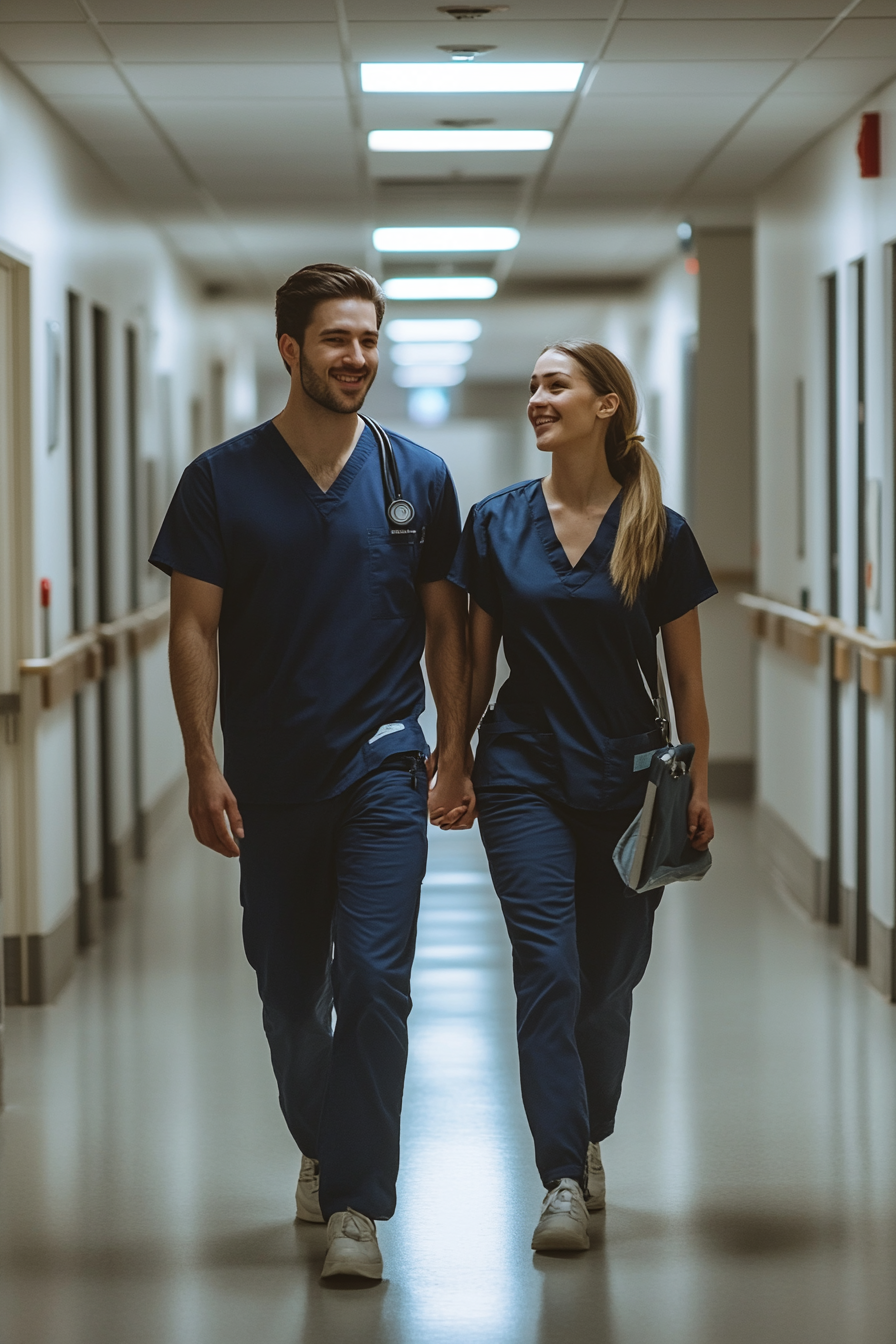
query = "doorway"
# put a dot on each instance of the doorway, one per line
(832, 912)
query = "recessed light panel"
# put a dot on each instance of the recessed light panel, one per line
(457, 142)
(471, 77)
(445, 240)
(430, 375)
(440, 287)
(434, 329)
(431, 352)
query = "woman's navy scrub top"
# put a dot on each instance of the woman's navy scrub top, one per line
(573, 721)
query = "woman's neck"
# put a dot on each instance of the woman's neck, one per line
(580, 478)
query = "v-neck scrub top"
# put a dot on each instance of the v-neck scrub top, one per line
(321, 630)
(573, 721)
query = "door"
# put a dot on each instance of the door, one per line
(833, 576)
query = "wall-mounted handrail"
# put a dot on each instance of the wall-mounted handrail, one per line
(87, 657)
(799, 632)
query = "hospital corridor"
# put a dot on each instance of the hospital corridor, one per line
(614, 284)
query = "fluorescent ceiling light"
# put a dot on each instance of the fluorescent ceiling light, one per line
(457, 142)
(428, 405)
(430, 375)
(440, 287)
(445, 240)
(491, 77)
(434, 329)
(445, 352)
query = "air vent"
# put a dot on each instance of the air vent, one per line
(472, 11)
(466, 52)
(459, 123)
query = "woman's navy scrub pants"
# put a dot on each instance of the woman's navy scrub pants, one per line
(330, 893)
(580, 946)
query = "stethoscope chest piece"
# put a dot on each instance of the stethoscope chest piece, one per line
(401, 512)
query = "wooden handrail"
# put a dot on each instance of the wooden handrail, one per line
(799, 632)
(811, 619)
(859, 638)
(86, 657)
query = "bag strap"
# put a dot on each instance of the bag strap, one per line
(659, 700)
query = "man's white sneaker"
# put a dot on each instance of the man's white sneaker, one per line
(353, 1247)
(596, 1187)
(563, 1225)
(307, 1192)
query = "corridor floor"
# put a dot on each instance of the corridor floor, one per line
(146, 1177)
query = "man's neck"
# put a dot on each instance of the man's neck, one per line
(322, 440)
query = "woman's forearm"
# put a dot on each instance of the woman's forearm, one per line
(485, 640)
(692, 721)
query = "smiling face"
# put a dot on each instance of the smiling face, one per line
(338, 357)
(563, 406)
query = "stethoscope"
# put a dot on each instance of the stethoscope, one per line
(400, 512)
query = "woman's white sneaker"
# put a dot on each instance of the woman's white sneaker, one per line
(308, 1192)
(353, 1247)
(563, 1225)
(596, 1187)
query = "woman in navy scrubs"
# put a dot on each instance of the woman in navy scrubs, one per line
(577, 573)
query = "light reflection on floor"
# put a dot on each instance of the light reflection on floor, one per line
(146, 1176)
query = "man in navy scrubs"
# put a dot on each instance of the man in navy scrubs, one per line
(283, 559)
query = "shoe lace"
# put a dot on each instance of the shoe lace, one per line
(562, 1199)
(311, 1173)
(354, 1225)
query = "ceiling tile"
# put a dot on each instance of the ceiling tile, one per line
(206, 11)
(50, 42)
(207, 43)
(870, 8)
(713, 40)
(559, 40)
(57, 80)
(200, 82)
(628, 115)
(223, 126)
(444, 165)
(861, 38)
(653, 79)
(733, 9)
(41, 11)
(853, 77)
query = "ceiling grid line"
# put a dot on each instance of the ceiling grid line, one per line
(210, 205)
(725, 140)
(532, 193)
(359, 140)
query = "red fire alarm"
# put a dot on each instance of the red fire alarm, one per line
(868, 147)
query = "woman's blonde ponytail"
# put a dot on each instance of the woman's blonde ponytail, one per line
(641, 534)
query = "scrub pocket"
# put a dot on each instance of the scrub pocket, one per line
(514, 754)
(622, 770)
(393, 565)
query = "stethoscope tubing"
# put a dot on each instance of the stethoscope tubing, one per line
(399, 511)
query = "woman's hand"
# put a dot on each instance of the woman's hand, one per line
(700, 826)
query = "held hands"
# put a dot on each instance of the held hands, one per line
(700, 827)
(452, 802)
(212, 806)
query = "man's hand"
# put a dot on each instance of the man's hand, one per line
(700, 827)
(452, 802)
(211, 801)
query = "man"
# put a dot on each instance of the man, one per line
(282, 555)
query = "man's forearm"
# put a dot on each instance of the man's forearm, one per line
(193, 658)
(448, 670)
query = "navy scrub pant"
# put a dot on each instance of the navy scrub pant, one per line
(330, 893)
(580, 946)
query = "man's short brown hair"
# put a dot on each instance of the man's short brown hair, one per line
(298, 296)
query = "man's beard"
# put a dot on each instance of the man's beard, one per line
(321, 391)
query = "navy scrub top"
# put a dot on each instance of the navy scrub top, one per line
(321, 629)
(573, 721)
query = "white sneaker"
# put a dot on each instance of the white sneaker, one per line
(596, 1187)
(563, 1225)
(307, 1192)
(353, 1247)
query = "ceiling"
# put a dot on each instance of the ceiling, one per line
(239, 125)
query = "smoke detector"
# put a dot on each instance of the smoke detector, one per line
(465, 53)
(472, 11)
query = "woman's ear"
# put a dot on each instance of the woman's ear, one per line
(607, 405)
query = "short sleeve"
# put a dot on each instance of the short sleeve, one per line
(472, 567)
(190, 537)
(683, 580)
(442, 534)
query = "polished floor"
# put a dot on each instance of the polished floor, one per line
(146, 1178)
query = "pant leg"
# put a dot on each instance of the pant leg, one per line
(613, 932)
(288, 894)
(381, 858)
(532, 859)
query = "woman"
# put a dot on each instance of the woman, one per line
(577, 573)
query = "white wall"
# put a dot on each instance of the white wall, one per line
(815, 220)
(62, 216)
